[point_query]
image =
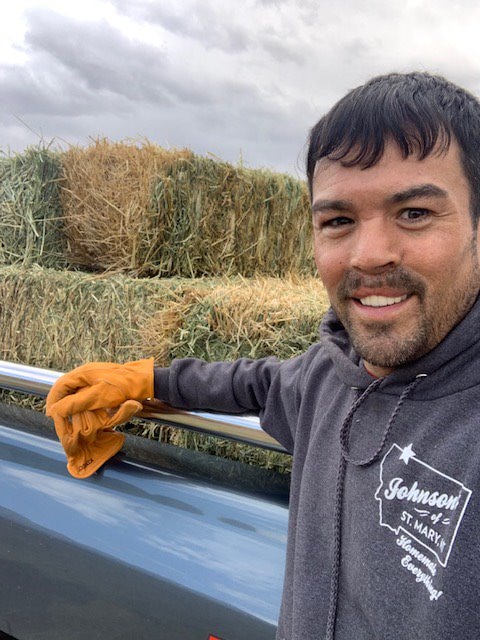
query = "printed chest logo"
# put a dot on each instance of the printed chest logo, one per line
(424, 508)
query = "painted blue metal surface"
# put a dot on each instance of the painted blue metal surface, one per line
(165, 541)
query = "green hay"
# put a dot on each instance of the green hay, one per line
(220, 220)
(31, 226)
(240, 318)
(27, 401)
(59, 320)
(144, 210)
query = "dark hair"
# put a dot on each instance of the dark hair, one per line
(420, 112)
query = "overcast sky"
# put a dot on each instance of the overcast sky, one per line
(237, 79)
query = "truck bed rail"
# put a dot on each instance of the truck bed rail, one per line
(242, 428)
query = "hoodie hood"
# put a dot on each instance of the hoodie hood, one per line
(451, 367)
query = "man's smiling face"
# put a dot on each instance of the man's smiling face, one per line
(397, 252)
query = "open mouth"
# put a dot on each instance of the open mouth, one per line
(381, 301)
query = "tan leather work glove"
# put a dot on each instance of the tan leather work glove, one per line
(100, 385)
(81, 404)
(88, 437)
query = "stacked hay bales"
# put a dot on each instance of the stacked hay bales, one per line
(144, 211)
(60, 319)
(123, 211)
(147, 211)
(31, 225)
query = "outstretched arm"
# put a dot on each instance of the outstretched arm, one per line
(89, 401)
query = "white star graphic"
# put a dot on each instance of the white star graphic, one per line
(407, 454)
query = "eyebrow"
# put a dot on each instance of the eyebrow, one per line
(332, 205)
(417, 191)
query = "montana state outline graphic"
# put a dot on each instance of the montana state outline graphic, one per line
(426, 504)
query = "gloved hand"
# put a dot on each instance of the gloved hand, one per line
(88, 438)
(100, 385)
(81, 404)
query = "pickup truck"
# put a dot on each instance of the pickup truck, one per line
(161, 543)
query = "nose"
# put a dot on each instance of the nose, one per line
(376, 247)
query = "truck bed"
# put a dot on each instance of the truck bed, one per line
(158, 544)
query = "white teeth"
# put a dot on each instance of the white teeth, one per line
(381, 301)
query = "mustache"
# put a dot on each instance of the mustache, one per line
(401, 278)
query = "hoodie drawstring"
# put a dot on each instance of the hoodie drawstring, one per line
(345, 458)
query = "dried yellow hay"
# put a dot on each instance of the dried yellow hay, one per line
(147, 211)
(106, 197)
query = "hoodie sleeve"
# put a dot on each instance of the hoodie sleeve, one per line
(267, 386)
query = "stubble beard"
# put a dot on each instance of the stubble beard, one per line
(380, 346)
(383, 344)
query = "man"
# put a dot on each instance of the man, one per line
(382, 414)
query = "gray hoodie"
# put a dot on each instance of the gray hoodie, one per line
(384, 537)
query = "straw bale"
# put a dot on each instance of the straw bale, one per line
(106, 197)
(59, 320)
(221, 220)
(147, 211)
(31, 225)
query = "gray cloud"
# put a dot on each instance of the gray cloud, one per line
(283, 51)
(271, 3)
(218, 77)
(90, 79)
(200, 20)
(30, 90)
(103, 60)
(96, 55)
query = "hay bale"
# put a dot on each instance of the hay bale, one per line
(221, 220)
(147, 211)
(239, 318)
(60, 320)
(31, 225)
(106, 197)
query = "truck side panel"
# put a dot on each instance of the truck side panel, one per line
(134, 551)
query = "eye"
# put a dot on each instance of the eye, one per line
(332, 225)
(415, 215)
(339, 221)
